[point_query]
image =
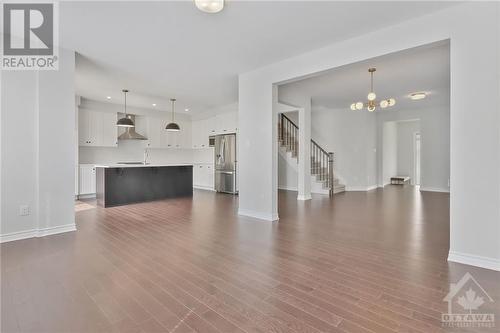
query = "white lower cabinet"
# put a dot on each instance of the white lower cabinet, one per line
(203, 176)
(87, 181)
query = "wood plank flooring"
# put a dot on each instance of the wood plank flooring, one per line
(363, 262)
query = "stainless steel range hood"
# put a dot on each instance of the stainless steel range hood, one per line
(130, 133)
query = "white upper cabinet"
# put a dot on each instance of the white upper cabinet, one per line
(211, 126)
(97, 129)
(200, 134)
(109, 129)
(158, 137)
(221, 124)
(226, 123)
(153, 129)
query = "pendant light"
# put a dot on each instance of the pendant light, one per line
(173, 126)
(372, 103)
(125, 121)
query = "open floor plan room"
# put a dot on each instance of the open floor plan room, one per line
(326, 267)
(250, 166)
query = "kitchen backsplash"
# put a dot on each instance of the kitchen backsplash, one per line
(132, 150)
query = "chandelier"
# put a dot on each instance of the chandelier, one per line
(372, 103)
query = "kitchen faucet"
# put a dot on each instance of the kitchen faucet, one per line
(146, 156)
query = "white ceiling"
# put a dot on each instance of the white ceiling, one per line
(425, 68)
(169, 49)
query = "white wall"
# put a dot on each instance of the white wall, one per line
(474, 55)
(405, 148)
(389, 151)
(287, 175)
(37, 138)
(434, 127)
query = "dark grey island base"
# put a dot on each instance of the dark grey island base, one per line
(121, 185)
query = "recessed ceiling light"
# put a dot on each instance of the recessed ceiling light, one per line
(418, 95)
(108, 97)
(186, 110)
(209, 6)
(154, 104)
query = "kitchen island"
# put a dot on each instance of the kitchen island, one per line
(121, 184)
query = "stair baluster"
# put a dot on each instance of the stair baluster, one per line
(321, 160)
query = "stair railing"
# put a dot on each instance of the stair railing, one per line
(322, 166)
(288, 134)
(321, 160)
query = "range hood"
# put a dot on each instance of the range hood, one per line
(130, 133)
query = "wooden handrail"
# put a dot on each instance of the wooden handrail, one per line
(322, 161)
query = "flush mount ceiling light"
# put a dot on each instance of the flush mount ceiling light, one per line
(209, 6)
(108, 97)
(418, 95)
(154, 104)
(173, 126)
(125, 121)
(372, 103)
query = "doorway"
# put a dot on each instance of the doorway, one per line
(416, 159)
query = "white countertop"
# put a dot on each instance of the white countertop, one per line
(153, 165)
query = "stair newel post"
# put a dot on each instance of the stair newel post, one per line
(330, 174)
(280, 126)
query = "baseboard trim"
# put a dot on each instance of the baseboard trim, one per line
(206, 188)
(87, 196)
(13, 236)
(304, 197)
(434, 189)
(360, 188)
(258, 215)
(285, 188)
(473, 260)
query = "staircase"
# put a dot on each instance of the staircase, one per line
(321, 160)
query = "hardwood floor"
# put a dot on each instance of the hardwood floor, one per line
(364, 262)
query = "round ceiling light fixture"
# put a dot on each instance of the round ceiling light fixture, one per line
(209, 6)
(418, 95)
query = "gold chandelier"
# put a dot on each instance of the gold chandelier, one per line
(372, 103)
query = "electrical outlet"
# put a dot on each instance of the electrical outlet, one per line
(24, 210)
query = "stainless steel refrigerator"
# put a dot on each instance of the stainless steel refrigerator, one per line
(225, 163)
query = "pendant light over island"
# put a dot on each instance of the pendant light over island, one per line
(173, 126)
(125, 121)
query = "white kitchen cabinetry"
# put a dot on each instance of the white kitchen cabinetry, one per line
(97, 129)
(87, 180)
(151, 128)
(223, 123)
(158, 137)
(226, 123)
(210, 126)
(200, 133)
(203, 176)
